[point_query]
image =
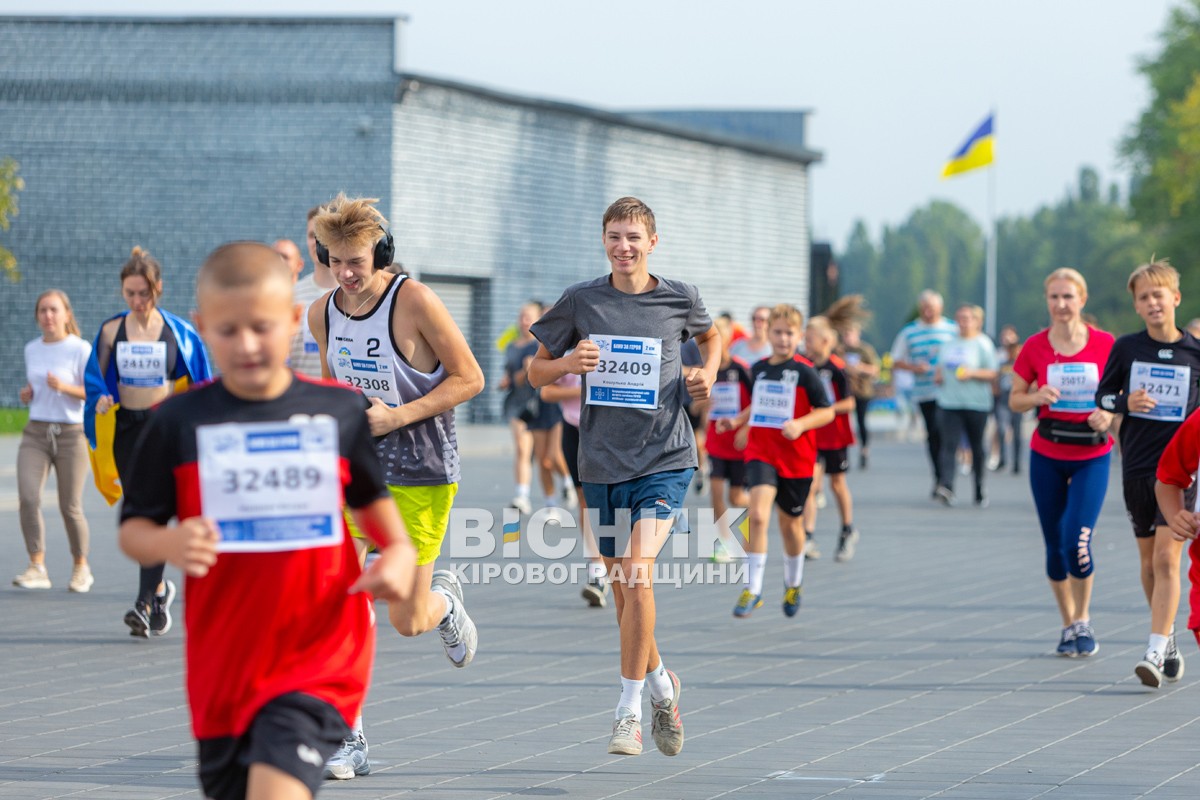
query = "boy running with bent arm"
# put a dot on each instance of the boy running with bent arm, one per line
(255, 467)
(637, 454)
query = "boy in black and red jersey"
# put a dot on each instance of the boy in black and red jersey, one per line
(833, 440)
(730, 395)
(788, 403)
(1151, 380)
(255, 467)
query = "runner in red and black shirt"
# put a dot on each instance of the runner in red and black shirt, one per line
(787, 404)
(833, 440)
(727, 462)
(255, 468)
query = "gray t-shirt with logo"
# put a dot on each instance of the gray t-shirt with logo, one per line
(616, 443)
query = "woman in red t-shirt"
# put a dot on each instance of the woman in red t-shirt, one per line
(1057, 373)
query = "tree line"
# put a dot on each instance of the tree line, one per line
(941, 247)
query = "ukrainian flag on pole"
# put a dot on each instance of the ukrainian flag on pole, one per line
(976, 151)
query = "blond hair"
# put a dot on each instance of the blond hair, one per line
(787, 312)
(72, 326)
(1067, 274)
(350, 222)
(824, 326)
(1159, 273)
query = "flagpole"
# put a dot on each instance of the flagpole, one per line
(989, 289)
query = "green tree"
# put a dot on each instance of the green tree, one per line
(939, 247)
(1164, 147)
(10, 184)
(1095, 236)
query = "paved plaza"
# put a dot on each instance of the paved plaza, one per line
(922, 668)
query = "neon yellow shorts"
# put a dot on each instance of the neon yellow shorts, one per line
(425, 511)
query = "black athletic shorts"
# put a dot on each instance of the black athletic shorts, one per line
(1141, 506)
(836, 461)
(728, 469)
(295, 733)
(790, 493)
(570, 448)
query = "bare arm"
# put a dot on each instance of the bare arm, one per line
(817, 418)
(190, 545)
(69, 389)
(391, 576)
(545, 369)
(464, 378)
(316, 324)
(556, 393)
(700, 379)
(1170, 502)
(1021, 399)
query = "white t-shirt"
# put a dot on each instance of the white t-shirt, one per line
(67, 359)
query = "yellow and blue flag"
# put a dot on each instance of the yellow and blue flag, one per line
(976, 151)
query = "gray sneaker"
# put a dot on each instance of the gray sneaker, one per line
(595, 592)
(457, 628)
(847, 544)
(349, 761)
(626, 739)
(666, 727)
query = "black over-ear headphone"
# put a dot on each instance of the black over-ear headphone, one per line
(385, 250)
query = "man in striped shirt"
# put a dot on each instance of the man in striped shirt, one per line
(916, 350)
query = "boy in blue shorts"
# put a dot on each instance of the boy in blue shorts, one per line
(637, 453)
(255, 467)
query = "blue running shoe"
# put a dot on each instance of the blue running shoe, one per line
(791, 600)
(746, 603)
(1085, 639)
(1066, 645)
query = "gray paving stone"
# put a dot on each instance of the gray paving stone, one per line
(925, 663)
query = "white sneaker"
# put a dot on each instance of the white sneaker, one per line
(34, 577)
(457, 629)
(570, 497)
(81, 579)
(1150, 669)
(349, 761)
(521, 503)
(811, 551)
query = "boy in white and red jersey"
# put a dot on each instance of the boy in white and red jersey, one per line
(777, 430)
(255, 467)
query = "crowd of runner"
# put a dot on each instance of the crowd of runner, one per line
(237, 456)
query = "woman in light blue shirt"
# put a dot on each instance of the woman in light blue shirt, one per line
(966, 367)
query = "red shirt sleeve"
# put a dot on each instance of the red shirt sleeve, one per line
(1182, 457)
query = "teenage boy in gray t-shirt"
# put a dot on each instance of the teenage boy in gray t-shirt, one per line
(636, 452)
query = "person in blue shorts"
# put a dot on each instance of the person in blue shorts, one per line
(623, 332)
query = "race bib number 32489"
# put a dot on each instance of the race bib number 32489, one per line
(271, 485)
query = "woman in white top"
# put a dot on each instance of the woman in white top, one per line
(54, 368)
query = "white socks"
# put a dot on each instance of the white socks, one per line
(358, 731)
(596, 570)
(660, 683)
(1158, 643)
(522, 490)
(793, 570)
(754, 575)
(631, 698)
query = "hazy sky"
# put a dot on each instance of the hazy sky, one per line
(894, 87)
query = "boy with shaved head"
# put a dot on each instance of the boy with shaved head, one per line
(254, 468)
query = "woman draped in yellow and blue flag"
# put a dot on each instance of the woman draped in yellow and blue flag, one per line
(140, 357)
